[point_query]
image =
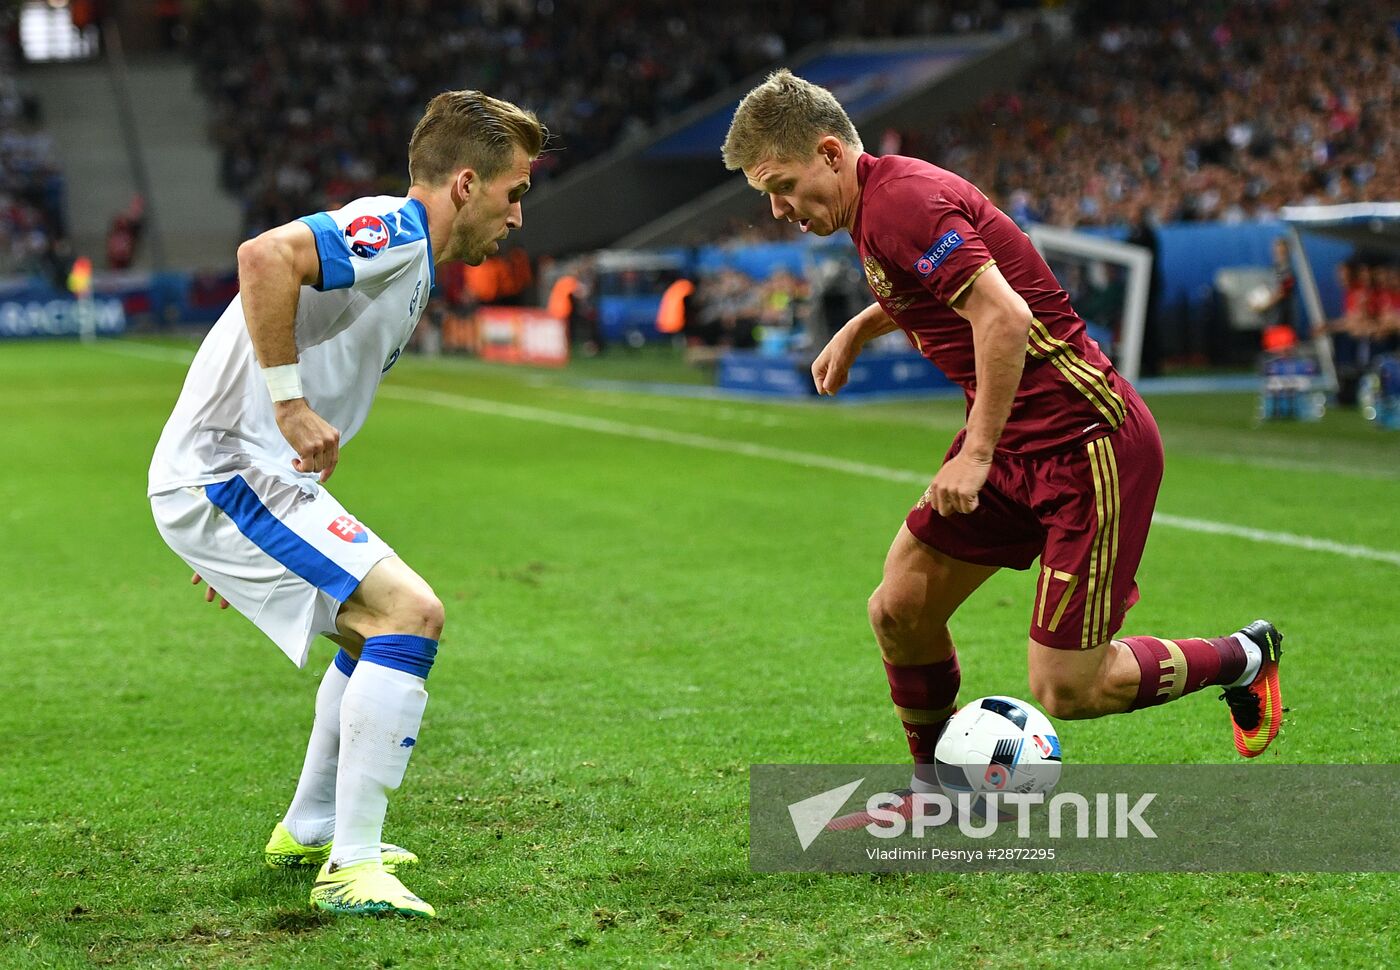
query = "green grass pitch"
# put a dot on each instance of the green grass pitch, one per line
(634, 617)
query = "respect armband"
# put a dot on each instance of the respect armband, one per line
(283, 382)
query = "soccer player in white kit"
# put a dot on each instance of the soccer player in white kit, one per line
(287, 375)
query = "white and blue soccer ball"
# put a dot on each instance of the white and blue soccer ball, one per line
(997, 744)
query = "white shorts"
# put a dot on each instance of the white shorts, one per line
(285, 554)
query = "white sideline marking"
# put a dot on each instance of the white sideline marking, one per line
(1247, 460)
(801, 458)
(1276, 538)
(639, 431)
(653, 402)
(808, 460)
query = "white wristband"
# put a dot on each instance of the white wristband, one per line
(284, 382)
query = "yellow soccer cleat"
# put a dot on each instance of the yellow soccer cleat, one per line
(284, 852)
(1257, 707)
(365, 889)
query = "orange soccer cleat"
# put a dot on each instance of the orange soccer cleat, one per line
(1257, 707)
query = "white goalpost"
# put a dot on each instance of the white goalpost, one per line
(1135, 263)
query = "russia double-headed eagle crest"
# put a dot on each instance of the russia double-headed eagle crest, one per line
(875, 276)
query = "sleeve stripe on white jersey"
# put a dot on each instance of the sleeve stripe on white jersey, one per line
(415, 222)
(336, 272)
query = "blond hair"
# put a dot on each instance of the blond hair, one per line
(783, 119)
(468, 129)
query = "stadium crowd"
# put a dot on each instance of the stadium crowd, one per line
(32, 228)
(1184, 111)
(312, 99)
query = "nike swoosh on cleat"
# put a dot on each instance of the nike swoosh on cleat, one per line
(1269, 705)
(1261, 733)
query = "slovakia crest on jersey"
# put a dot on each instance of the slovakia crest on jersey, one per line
(367, 236)
(347, 529)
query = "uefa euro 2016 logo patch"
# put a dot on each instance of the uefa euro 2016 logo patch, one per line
(933, 256)
(367, 236)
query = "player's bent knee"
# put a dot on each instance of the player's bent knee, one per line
(904, 628)
(405, 607)
(894, 609)
(891, 616)
(1065, 701)
(424, 615)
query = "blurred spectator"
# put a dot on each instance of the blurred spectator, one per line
(1387, 303)
(125, 234)
(838, 292)
(675, 308)
(727, 310)
(1190, 111)
(1364, 329)
(32, 228)
(1277, 309)
(503, 279)
(1143, 232)
(321, 93)
(732, 310)
(573, 299)
(1358, 318)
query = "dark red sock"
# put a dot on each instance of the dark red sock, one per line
(1175, 668)
(924, 697)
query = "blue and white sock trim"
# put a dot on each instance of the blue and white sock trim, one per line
(400, 651)
(345, 663)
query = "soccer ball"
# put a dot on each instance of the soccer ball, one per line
(997, 744)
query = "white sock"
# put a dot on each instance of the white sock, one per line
(1253, 657)
(923, 787)
(379, 719)
(311, 817)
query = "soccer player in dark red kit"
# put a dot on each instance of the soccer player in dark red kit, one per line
(1059, 459)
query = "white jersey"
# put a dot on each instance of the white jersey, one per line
(376, 271)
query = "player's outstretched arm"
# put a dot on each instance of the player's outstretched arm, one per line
(272, 269)
(833, 365)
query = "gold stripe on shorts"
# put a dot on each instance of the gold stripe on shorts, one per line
(1098, 597)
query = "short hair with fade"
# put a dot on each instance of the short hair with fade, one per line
(468, 129)
(783, 119)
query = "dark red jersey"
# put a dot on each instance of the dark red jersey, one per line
(924, 236)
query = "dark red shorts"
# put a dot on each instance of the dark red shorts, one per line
(1084, 512)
